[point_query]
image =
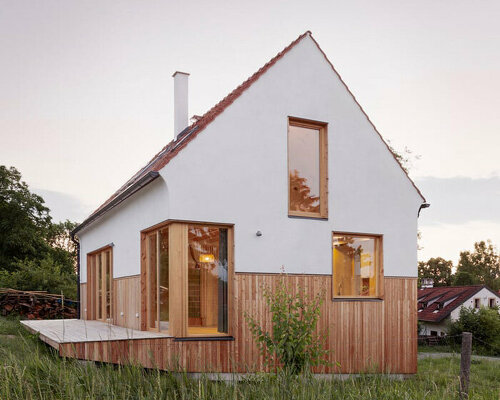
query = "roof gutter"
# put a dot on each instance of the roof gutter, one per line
(423, 205)
(77, 245)
(135, 187)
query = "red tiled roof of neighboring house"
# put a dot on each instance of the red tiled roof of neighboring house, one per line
(435, 304)
(187, 135)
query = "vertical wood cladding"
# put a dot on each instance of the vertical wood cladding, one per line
(363, 336)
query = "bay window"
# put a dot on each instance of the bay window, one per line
(185, 270)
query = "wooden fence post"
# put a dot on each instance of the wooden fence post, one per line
(465, 364)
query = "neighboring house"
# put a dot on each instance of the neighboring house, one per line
(437, 306)
(286, 171)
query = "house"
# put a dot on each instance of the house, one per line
(438, 306)
(286, 171)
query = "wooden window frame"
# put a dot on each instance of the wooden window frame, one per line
(91, 286)
(323, 167)
(178, 273)
(379, 242)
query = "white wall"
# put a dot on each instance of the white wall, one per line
(440, 327)
(122, 225)
(483, 295)
(236, 172)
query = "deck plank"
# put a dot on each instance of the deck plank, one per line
(60, 331)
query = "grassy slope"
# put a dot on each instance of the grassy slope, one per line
(29, 369)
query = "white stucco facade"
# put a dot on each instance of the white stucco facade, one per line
(235, 171)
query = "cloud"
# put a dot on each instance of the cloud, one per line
(63, 206)
(448, 240)
(460, 200)
(463, 211)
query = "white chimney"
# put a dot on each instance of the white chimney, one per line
(180, 102)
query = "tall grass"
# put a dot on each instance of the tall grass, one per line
(31, 370)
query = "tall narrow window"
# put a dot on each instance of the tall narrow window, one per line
(207, 280)
(100, 282)
(357, 265)
(307, 169)
(157, 270)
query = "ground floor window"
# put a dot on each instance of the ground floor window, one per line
(100, 283)
(185, 270)
(157, 280)
(207, 279)
(357, 265)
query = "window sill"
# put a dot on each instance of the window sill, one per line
(376, 299)
(204, 339)
(308, 216)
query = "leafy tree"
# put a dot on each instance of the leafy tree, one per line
(24, 220)
(484, 324)
(405, 157)
(292, 342)
(437, 269)
(35, 254)
(482, 266)
(63, 249)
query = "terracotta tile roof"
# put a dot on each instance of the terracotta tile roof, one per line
(438, 302)
(187, 135)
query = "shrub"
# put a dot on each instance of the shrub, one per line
(44, 274)
(292, 343)
(484, 324)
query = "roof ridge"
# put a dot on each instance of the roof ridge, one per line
(367, 117)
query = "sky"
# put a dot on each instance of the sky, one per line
(86, 90)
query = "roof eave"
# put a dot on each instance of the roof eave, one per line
(135, 187)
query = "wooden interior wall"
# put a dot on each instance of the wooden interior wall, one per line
(364, 336)
(127, 300)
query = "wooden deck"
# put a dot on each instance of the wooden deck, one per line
(60, 331)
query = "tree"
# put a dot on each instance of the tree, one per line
(290, 340)
(35, 254)
(437, 269)
(24, 220)
(482, 266)
(484, 324)
(63, 249)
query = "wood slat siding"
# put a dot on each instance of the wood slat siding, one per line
(83, 301)
(127, 299)
(364, 336)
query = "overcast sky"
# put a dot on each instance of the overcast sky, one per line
(86, 90)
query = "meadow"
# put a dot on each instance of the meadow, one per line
(31, 370)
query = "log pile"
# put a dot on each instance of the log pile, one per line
(36, 304)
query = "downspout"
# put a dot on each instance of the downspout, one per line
(77, 244)
(423, 205)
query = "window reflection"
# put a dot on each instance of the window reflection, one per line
(304, 169)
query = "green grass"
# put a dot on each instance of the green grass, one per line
(31, 370)
(439, 349)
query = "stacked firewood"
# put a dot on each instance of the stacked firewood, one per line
(36, 304)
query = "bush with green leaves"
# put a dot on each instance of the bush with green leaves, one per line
(45, 274)
(293, 343)
(484, 324)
